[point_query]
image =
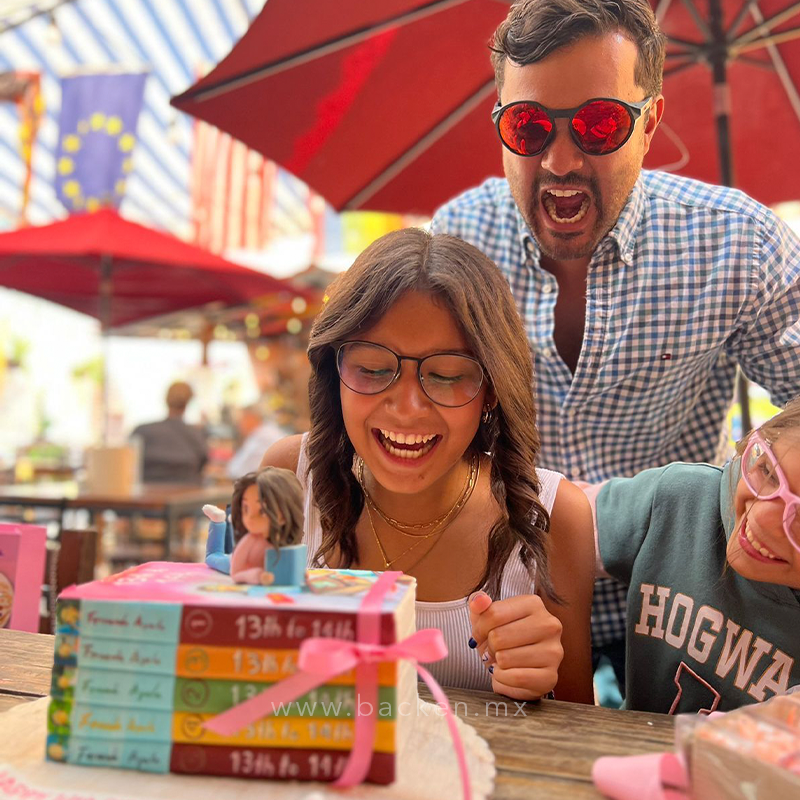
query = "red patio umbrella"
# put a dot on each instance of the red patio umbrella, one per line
(733, 107)
(380, 105)
(386, 105)
(121, 272)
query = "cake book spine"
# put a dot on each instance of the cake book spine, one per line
(329, 734)
(109, 688)
(231, 626)
(143, 756)
(157, 658)
(122, 621)
(257, 665)
(269, 628)
(273, 763)
(66, 718)
(327, 702)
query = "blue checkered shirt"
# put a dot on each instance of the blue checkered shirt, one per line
(692, 280)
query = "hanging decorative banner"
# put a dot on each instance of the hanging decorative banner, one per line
(97, 134)
(23, 89)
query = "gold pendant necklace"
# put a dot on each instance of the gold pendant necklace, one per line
(446, 521)
(406, 528)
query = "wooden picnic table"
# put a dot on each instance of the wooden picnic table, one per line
(543, 750)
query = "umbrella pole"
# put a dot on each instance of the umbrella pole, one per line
(105, 324)
(722, 106)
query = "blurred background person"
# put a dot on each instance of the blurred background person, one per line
(258, 431)
(173, 451)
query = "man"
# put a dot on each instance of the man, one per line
(172, 451)
(640, 291)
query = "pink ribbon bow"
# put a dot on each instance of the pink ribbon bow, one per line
(322, 659)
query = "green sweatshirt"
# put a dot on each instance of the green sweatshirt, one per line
(699, 636)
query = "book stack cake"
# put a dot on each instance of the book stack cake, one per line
(145, 658)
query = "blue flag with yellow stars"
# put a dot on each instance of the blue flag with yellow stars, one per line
(97, 134)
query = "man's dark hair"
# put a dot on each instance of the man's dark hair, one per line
(534, 29)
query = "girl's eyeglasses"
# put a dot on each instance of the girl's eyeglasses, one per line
(598, 127)
(448, 379)
(766, 480)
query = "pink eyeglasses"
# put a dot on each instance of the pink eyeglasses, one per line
(766, 480)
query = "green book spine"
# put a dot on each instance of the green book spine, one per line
(332, 702)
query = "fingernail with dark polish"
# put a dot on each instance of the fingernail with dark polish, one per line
(491, 669)
(485, 656)
(472, 643)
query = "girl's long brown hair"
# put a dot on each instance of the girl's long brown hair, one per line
(475, 292)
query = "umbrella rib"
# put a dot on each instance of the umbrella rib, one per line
(380, 180)
(731, 32)
(767, 24)
(780, 68)
(767, 41)
(694, 46)
(698, 19)
(679, 68)
(692, 58)
(756, 62)
(663, 6)
(268, 70)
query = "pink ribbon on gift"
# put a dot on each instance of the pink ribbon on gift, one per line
(322, 659)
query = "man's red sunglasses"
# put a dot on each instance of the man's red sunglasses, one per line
(598, 127)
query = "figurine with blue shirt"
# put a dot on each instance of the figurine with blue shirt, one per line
(265, 532)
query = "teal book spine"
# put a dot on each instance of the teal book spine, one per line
(113, 723)
(142, 756)
(102, 687)
(121, 621)
(148, 658)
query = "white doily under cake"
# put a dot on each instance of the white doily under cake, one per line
(427, 770)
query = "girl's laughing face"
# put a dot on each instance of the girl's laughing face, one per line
(409, 443)
(759, 548)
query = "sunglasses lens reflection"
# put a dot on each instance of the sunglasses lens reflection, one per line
(602, 126)
(599, 127)
(524, 128)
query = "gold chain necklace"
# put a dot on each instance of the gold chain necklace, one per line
(406, 528)
(474, 473)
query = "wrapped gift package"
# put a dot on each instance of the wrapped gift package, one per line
(22, 560)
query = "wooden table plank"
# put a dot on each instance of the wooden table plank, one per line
(26, 660)
(553, 745)
(542, 750)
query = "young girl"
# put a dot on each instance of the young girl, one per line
(712, 559)
(421, 457)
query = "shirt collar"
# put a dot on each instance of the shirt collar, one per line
(622, 234)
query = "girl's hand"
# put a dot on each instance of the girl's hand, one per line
(520, 640)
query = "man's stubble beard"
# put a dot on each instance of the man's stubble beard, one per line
(560, 247)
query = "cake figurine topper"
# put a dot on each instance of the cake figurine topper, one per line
(266, 529)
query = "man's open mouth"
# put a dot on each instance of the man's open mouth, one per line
(565, 205)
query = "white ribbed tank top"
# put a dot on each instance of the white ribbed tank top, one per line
(462, 667)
